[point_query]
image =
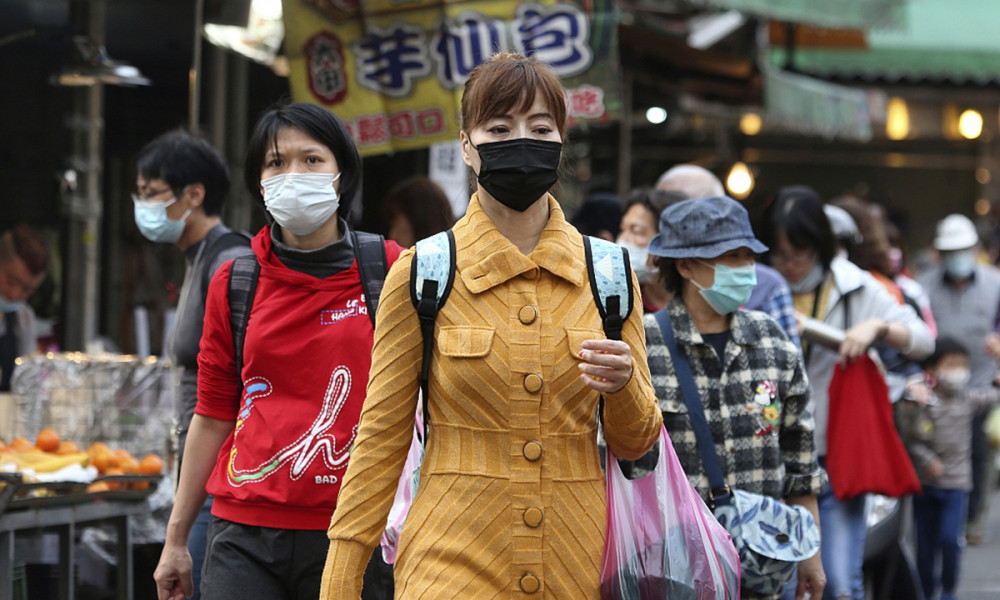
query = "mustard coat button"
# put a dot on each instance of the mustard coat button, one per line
(533, 382)
(532, 451)
(527, 314)
(533, 517)
(530, 584)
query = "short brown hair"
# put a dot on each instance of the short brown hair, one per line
(27, 244)
(511, 81)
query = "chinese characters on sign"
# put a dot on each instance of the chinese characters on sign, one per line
(395, 72)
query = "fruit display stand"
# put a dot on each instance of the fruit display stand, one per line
(65, 508)
(121, 401)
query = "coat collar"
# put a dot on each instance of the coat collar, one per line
(742, 330)
(486, 258)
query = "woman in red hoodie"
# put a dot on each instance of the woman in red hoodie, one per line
(271, 442)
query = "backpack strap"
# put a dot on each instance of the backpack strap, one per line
(242, 287)
(432, 275)
(611, 282)
(369, 251)
(227, 240)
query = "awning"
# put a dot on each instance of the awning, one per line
(948, 41)
(815, 107)
(844, 14)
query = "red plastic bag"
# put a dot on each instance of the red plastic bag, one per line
(662, 540)
(864, 452)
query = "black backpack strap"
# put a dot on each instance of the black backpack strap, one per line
(242, 287)
(227, 240)
(369, 251)
(432, 274)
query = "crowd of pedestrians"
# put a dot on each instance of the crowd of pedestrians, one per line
(301, 357)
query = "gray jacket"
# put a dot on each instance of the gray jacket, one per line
(940, 431)
(856, 291)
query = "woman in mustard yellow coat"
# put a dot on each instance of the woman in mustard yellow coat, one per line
(512, 500)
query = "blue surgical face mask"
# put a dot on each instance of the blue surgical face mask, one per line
(731, 289)
(810, 281)
(9, 306)
(960, 264)
(154, 224)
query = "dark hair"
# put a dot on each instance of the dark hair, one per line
(509, 80)
(423, 203)
(670, 277)
(182, 159)
(21, 241)
(799, 215)
(944, 346)
(654, 200)
(319, 124)
(602, 211)
(872, 254)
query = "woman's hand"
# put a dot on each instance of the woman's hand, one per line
(812, 578)
(606, 366)
(857, 339)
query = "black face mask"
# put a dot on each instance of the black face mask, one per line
(517, 172)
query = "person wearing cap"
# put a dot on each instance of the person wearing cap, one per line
(836, 292)
(771, 294)
(965, 296)
(750, 375)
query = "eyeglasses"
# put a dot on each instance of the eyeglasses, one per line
(800, 258)
(140, 197)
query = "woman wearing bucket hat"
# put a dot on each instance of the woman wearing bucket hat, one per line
(833, 290)
(748, 373)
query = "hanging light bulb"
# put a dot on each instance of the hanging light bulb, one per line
(970, 124)
(897, 119)
(740, 181)
(750, 123)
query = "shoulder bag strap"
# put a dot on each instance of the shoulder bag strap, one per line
(719, 492)
(369, 250)
(242, 287)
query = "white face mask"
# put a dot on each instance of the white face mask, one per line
(638, 258)
(953, 380)
(301, 202)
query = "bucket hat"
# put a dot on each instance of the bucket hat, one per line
(955, 232)
(704, 228)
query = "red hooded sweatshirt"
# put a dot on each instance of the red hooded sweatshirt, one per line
(306, 359)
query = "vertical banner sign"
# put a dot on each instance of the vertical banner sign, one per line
(393, 70)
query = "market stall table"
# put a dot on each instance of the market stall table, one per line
(64, 515)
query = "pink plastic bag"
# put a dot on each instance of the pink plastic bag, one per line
(406, 490)
(662, 540)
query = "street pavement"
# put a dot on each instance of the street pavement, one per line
(980, 578)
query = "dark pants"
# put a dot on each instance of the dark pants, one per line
(245, 562)
(940, 518)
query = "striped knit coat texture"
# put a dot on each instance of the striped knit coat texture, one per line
(512, 500)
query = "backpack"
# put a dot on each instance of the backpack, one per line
(229, 239)
(369, 251)
(432, 275)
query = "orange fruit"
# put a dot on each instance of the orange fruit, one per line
(151, 464)
(20, 444)
(47, 440)
(67, 447)
(114, 485)
(91, 449)
(98, 486)
(129, 465)
(102, 460)
(140, 485)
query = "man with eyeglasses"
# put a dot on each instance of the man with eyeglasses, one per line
(182, 184)
(23, 261)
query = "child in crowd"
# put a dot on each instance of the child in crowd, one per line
(936, 435)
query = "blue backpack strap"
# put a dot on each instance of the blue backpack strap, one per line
(611, 282)
(242, 287)
(432, 275)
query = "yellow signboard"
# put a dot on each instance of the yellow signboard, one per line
(393, 70)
